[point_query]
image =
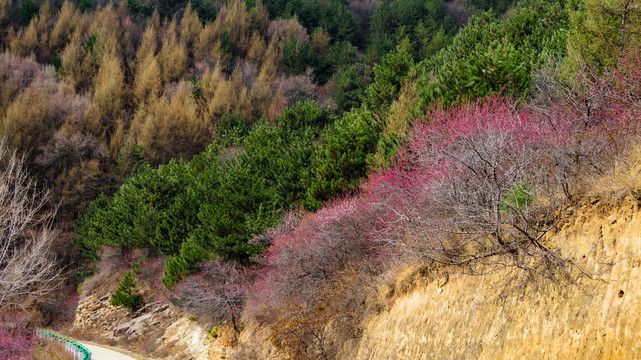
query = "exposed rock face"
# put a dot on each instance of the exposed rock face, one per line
(157, 330)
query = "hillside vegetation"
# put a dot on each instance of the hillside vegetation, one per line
(272, 164)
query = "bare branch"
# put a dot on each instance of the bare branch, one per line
(27, 267)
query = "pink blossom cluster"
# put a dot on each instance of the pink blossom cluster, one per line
(16, 341)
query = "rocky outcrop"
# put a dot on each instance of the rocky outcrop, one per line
(157, 330)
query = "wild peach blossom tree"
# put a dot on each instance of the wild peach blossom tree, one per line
(477, 193)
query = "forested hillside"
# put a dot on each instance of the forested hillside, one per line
(281, 158)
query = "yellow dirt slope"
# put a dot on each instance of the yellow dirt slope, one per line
(600, 319)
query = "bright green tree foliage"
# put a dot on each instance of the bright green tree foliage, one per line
(492, 56)
(214, 204)
(602, 29)
(342, 158)
(350, 85)
(425, 23)
(497, 5)
(388, 78)
(297, 56)
(125, 294)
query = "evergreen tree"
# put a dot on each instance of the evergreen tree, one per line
(125, 295)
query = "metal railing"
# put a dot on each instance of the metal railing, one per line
(79, 352)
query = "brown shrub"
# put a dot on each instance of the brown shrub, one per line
(313, 290)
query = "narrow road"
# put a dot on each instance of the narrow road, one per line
(99, 352)
(102, 352)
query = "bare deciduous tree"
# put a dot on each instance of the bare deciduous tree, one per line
(492, 205)
(27, 267)
(217, 292)
(488, 199)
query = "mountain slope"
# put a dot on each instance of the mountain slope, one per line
(462, 318)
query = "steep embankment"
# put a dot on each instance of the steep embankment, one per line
(157, 331)
(433, 316)
(462, 319)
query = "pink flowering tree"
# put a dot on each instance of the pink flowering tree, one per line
(16, 341)
(315, 273)
(474, 191)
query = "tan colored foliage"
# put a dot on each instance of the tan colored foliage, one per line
(148, 83)
(261, 91)
(320, 41)
(170, 127)
(259, 17)
(24, 42)
(108, 89)
(106, 25)
(34, 115)
(210, 81)
(16, 74)
(234, 19)
(256, 48)
(5, 6)
(34, 39)
(190, 27)
(148, 46)
(223, 100)
(72, 61)
(206, 41)
(173, 55)
(65, 26)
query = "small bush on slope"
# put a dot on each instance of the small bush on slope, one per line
(125, 294)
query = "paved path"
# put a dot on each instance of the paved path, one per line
(102, 352)
(99, 352)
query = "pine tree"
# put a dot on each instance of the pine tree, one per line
(124, 295)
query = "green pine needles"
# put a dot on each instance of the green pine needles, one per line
(125, 295)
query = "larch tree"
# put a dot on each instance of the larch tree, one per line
(148, 83)
(108, 89)
(261, 91)
(190, 27)
(64, 27)
(173, 55)
(170, 127)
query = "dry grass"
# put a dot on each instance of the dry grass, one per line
(624, 180)
(52, 350)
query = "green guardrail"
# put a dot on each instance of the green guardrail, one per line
(80, 352)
